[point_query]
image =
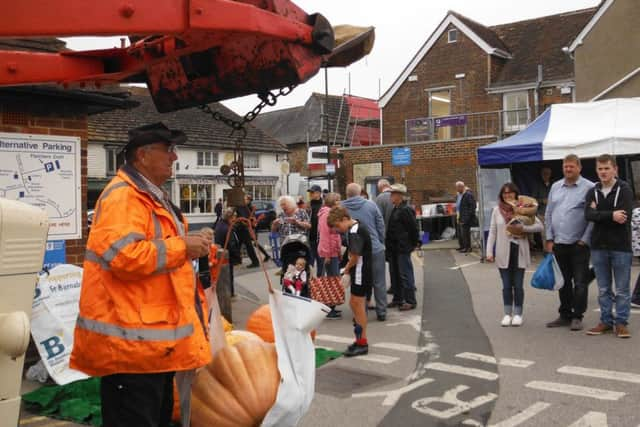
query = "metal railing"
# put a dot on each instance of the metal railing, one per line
(499, 123)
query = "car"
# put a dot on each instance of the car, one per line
(90, 214)
(265, 211)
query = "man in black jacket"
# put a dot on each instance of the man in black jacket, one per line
(608, 205)
(466, 216)
(315, 203)
(401, 239)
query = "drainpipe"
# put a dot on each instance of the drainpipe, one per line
(536, 95)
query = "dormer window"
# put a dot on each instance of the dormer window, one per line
(452, 35)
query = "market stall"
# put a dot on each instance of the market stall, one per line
(586, 129)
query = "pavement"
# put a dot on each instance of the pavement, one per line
(450, 363)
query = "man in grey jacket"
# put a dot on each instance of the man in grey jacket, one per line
(367, 213)
(383, 200)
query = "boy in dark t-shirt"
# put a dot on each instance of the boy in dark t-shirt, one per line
(358, 274)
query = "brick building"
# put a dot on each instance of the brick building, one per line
(468, 85)
(605, 52)
(46, 111)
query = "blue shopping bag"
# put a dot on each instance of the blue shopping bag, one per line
(548, 275)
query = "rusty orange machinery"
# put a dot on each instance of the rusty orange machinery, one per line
(189, 52)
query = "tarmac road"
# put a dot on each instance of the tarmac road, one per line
(450, 363)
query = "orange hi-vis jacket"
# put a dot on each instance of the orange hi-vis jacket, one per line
(140, 311)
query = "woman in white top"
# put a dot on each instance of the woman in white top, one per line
(511, 253)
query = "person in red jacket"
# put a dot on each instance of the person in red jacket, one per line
(141, 316)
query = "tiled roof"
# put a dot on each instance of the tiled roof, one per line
(540, 41)
(299, 124)
(481, 31)
(201, 129)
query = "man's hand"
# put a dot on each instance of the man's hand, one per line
(489, 258)
(197, 246)
(620, 216)
(549, 246)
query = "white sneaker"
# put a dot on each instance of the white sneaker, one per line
(517, 320)
(506, 320)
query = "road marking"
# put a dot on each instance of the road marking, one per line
(468, 264)
(523, 415)
(601, 373)
(376, 358)
(379, 358)
(386, 345)
(463, 370)
(503, 361)
(450, 398)
(575, 390)
(392, 396)
(334, 338)
(401, 347)
(592, 419)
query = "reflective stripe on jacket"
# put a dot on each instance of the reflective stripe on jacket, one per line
(139, 308)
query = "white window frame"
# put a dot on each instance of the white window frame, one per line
(207, 159)
(198, 199)
(514, 119)
(111, 156)
(261, 191)
(249, 158)
(454, 32)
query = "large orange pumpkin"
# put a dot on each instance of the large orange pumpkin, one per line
(234, 337)
(237, 388)
(259, 322)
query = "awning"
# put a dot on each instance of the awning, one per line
(586, 129)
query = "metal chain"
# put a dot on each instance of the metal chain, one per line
(269, 98)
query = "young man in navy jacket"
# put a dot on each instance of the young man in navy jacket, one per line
(608, 205)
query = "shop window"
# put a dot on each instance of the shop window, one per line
(196, 198)
(260, 192)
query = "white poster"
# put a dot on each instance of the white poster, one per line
(44, 171)
(55, 310)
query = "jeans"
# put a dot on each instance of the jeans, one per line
(402, 280)
(379, 283)
(332, 268)
(512, 279)
(574, 263)
(604, 263)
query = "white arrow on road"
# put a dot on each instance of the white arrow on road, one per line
(392, 396)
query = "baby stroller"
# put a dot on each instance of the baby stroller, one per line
(295, 246)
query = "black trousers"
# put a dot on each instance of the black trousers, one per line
(137, 400)
(464, 235)
(245, 239)
(574, 263)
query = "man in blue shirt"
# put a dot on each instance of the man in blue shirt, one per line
(568, 235)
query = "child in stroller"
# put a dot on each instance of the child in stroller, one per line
(296, 277)
(295, 251)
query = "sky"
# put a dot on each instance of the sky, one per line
(402, 26)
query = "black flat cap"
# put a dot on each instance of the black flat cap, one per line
(152, 133)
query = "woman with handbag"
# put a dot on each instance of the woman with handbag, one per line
(512, 257)
(329, 246)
